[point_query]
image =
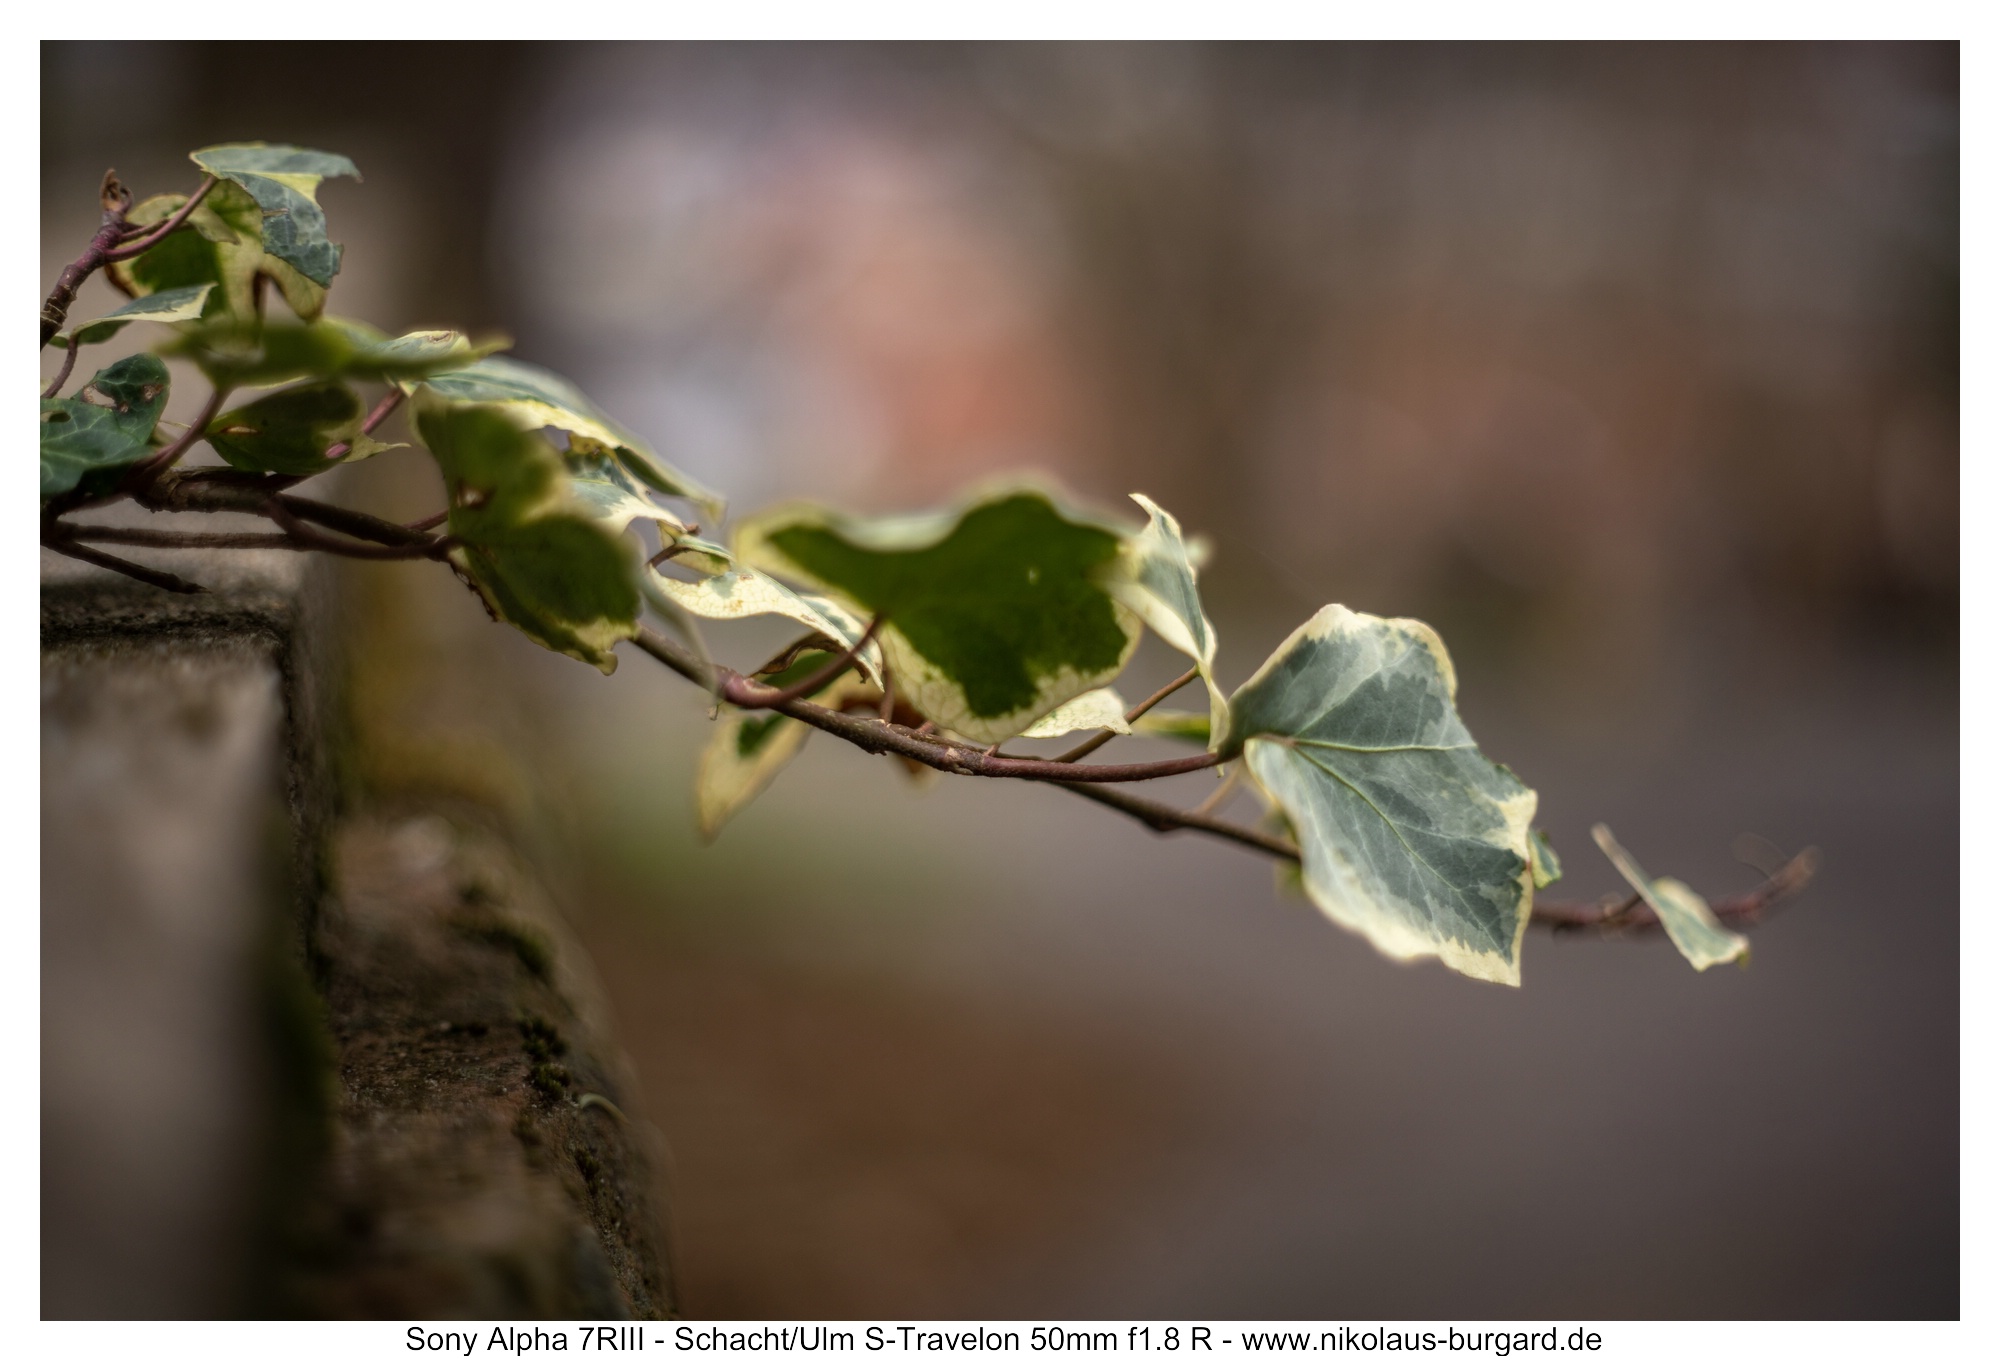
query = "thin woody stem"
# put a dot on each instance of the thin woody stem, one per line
(375, 418)
(165, 229)
(62, 374)
(1087, 746)
(115, 199)
(875, 735)
(166, 581)
(772, 699)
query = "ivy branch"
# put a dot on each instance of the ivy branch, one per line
(1395, 823)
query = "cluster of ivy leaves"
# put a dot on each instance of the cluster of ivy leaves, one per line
(1009, 615)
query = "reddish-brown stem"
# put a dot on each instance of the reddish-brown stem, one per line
(766, 697)
(62, 374)
(148, 472)
(1620, 915)
(429, 521)
(375, 418)
(875, 735)
(116, 199)
(1090, 744)
(165, 229)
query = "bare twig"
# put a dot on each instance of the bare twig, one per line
(144, 474)
(160, 233)
(166, 581)
(62, 374)
(1621, 915)
(1164, 817)
(174, 538)
(772, 699)
(381, 413)
(887, 738)
(115, 199)
(1088, 745)
(279, 510)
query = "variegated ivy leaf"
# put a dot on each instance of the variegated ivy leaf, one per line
(1548, 868)
(1181, 724)
(284, 181)
(534, 398)
(225, 248)
(240, 353)
(538, 559)
(744, 593)
(1408, 835)
(1702, 940)
(1158, 585)
(82, 438)
(991, 617)
(601, 482)
(750, 747)
(1089, 711)
(175, 304)
(290, 430)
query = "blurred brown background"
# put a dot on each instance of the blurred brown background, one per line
(1633, 368)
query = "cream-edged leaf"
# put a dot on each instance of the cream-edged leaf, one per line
(170, 305)
(749, 747)
(1089, 711)
(284, 181)
(1702, 940)
(1157, 583)
(745, 593)
(992, 616)
(535, 398)
(1408, 834)
(537, 558)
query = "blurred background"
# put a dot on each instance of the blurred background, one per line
(1634, 369)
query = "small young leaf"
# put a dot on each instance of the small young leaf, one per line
(750, 747)
(533, 397)
(1089, 711)
(538, 559)
(1702, 940)
(284, 180)
(289, 431)
(744, 593)
(82, 437)
(991, 617)
(173, 304)
(1408, 835)
(1158, 585)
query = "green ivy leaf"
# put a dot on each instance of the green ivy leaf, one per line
(284, 181)
(1702, 940)
(992, 617)
(81, 437)
(173, 304)
(537, 557)
(290, 431)
(238, 353)
(1089, 711)
(225, 248)
(1409, 836)
(744, 593)
(1158, 585)
(750, 747)
(534, 398)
